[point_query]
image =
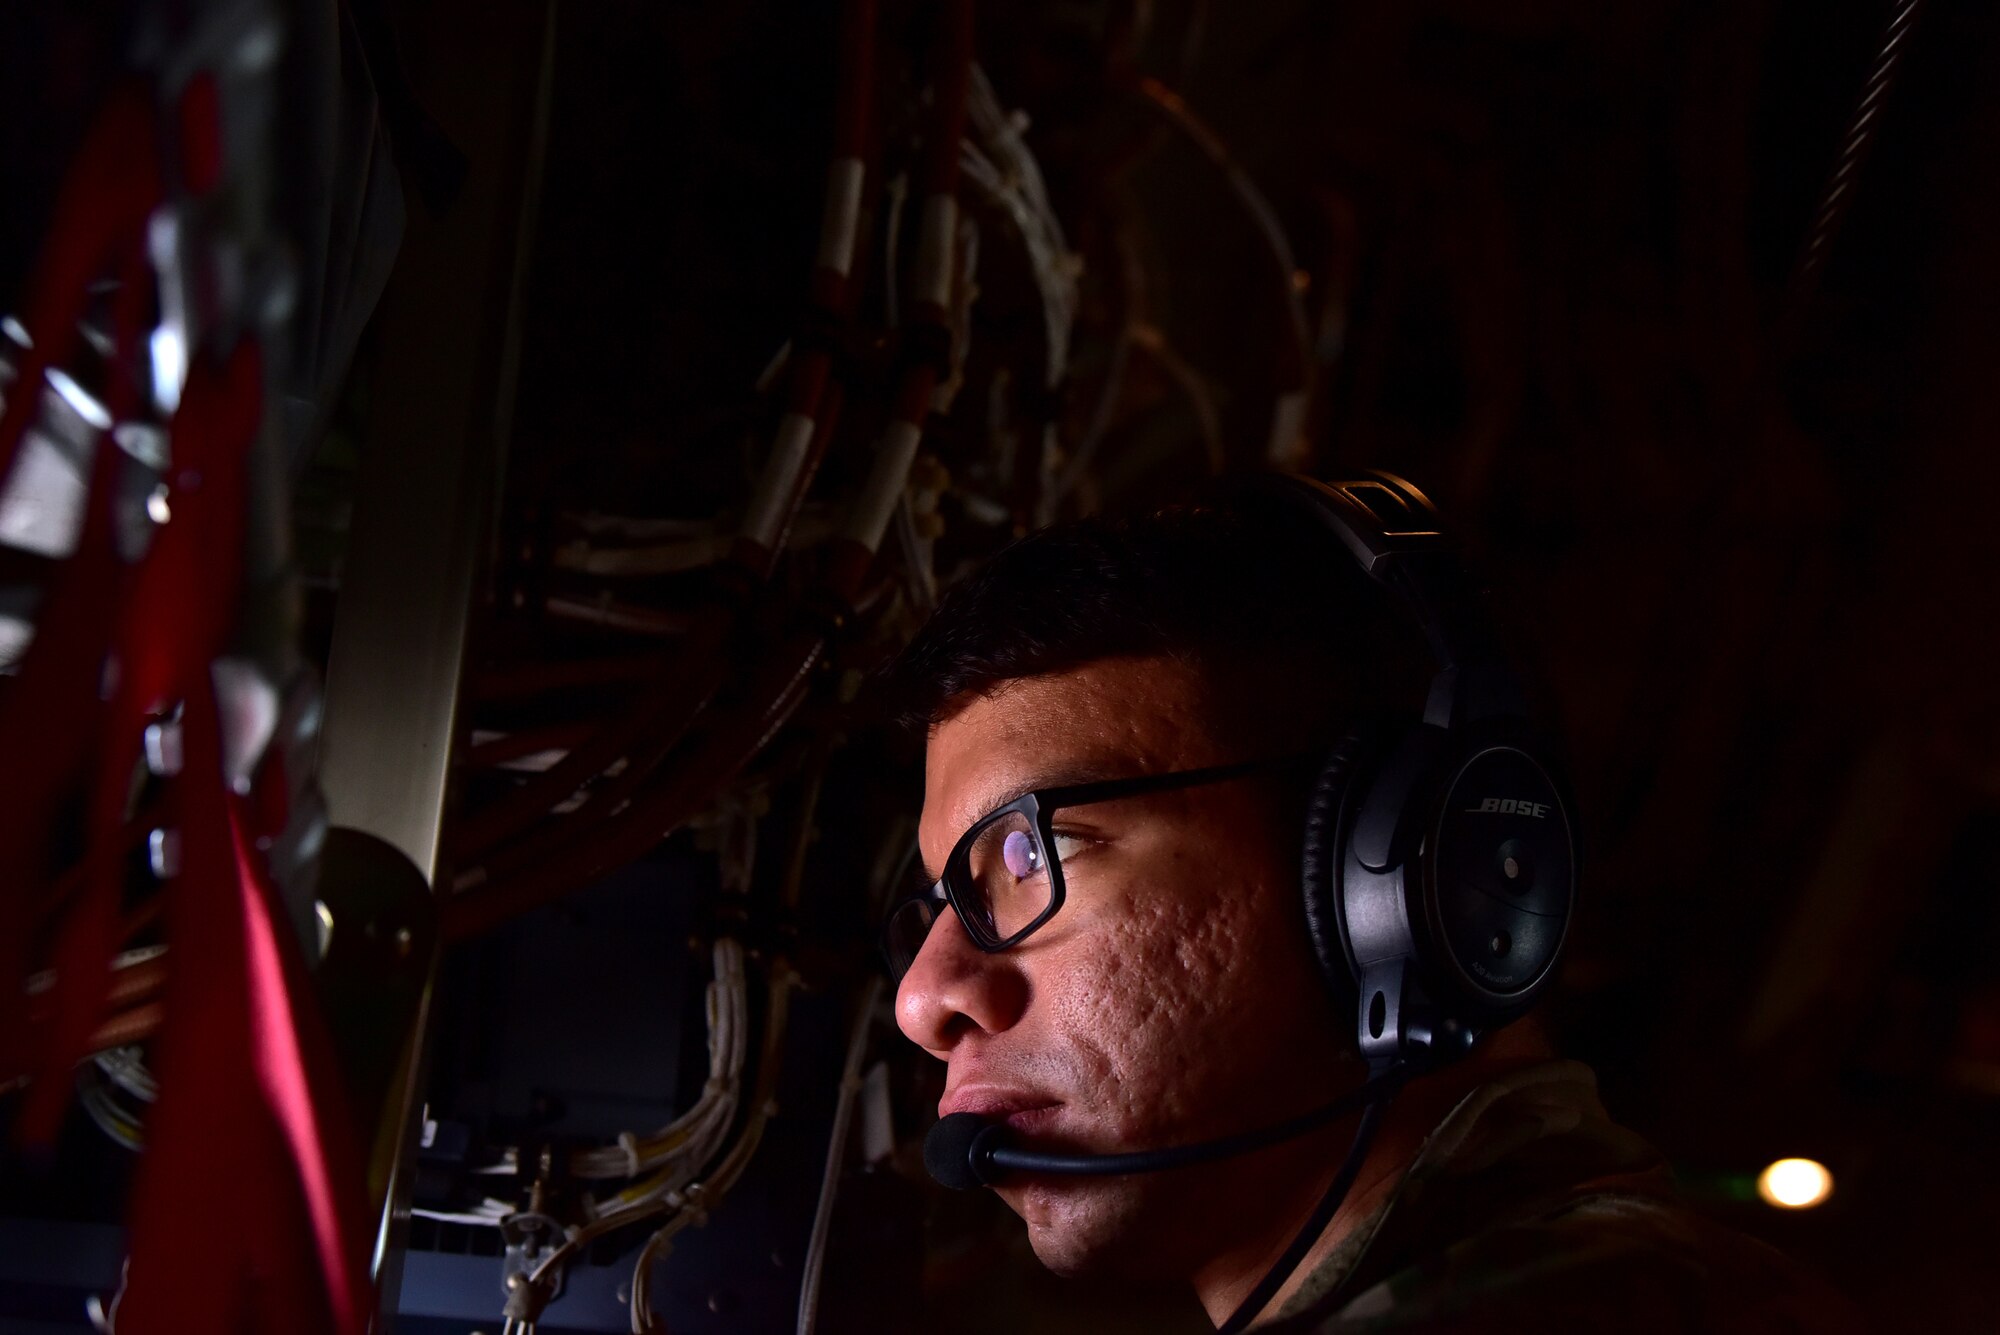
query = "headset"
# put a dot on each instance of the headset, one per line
(1439, 868)
(1440, 861)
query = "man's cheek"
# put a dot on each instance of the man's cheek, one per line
(1155, 1001)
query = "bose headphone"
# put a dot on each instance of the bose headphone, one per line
(1440, 860)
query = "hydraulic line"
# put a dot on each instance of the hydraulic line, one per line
(640, 813)
(644, 735)
(576, 852)
(526, 742)
(653, 744)
(929, 318)
(836, 1149)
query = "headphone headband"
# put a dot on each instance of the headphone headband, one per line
(1399, 540)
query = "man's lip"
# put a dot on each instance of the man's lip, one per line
(1019, 1109)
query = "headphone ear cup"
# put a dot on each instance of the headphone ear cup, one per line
(1319, 865)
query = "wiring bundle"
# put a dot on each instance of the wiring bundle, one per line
(139, 360)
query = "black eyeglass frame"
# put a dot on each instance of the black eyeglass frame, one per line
(1039, 806)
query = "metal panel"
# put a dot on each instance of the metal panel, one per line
(441, 400)
(442, 396)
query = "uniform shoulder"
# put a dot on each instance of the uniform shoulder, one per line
(1633, 1264)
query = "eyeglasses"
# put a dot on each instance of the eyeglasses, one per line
(1004, 877)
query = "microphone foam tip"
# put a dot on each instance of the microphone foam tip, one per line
(948, 1150)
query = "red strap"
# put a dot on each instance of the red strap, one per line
(50, 718)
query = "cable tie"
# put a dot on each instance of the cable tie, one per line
(630, 1144)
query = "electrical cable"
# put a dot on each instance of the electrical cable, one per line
(525, 749)
(690, 1202)
(1862, 130)
(1132, 286)
(642, 739)
(704, 1196)
(546, 865)
(490, 1213)
(836, 1148)
(690, 1134)
(1149, 339)
(577, 851)
(1316, 1222)
(1289, 415)
(1013, 181)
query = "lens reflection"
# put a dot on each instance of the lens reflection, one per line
(1007, 867)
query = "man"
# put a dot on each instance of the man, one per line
(1170, 997)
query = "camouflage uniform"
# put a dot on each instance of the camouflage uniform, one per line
(1528, 1209)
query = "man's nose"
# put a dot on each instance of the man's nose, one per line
(953, 986)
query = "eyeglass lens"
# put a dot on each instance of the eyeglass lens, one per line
(904, 934)
(1006, 870)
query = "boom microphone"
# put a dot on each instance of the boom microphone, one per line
(965, 1150)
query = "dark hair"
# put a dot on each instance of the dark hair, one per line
(1259, 601)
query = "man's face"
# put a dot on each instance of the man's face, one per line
(1172, 998)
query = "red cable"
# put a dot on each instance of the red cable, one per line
(248, 1147)
(49, 720)
(239, 1145)
(172, 623)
